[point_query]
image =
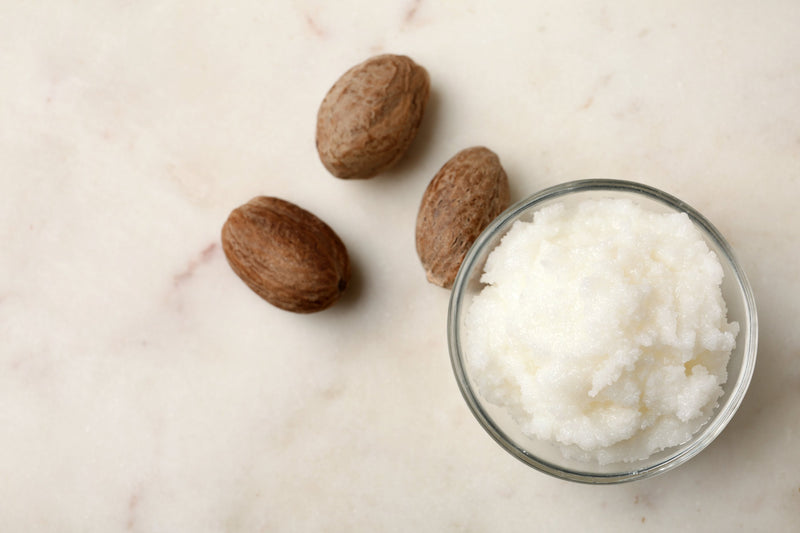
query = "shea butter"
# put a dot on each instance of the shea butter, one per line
(601, 328)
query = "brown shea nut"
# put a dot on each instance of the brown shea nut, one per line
(369, 117)
(286, 255)
(467, 193)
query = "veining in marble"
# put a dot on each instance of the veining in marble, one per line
(144, 388)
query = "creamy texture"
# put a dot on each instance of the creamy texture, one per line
(602, 328)
(144, 388)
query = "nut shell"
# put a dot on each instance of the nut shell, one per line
(369, 117)
(286, 255)
(467, 193)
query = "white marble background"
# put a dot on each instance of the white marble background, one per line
(144, 388)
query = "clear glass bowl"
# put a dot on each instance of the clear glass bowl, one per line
(545, 456)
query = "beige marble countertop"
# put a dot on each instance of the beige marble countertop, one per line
(144, 388)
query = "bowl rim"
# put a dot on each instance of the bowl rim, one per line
(723, 414)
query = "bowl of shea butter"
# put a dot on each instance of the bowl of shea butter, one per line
(602, 331)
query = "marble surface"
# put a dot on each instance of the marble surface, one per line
(144, 388)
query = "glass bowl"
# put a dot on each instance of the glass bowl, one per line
(543, 455)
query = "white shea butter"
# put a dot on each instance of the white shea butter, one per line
(602, 328)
